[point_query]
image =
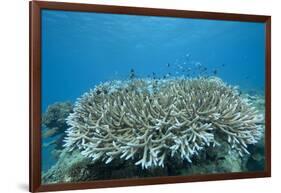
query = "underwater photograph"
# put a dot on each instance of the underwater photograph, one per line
(134, 96)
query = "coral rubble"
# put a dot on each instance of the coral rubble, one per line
(151, 121)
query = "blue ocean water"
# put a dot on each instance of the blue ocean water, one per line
(81, 49)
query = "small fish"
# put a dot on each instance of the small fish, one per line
(50, 132)
(168, 65)
(132, 74)
(167, 75)
(153, 75)
(257, 157)
(49, 143)
(215, 71)
(223, 65)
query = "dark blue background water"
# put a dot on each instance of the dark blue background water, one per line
(79, 50)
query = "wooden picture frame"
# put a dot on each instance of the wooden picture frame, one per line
(35, 94)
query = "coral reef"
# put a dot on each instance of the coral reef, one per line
(153, 121)
(74, 167)
(256, 160)
(68, 168)
(53, 121)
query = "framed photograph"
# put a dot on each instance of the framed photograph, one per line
(123, 96)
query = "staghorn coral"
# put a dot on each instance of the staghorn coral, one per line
(151, 120)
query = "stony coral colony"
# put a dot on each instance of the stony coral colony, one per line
(149, 120)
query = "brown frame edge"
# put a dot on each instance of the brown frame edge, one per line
(34, 97)
(35, 94)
